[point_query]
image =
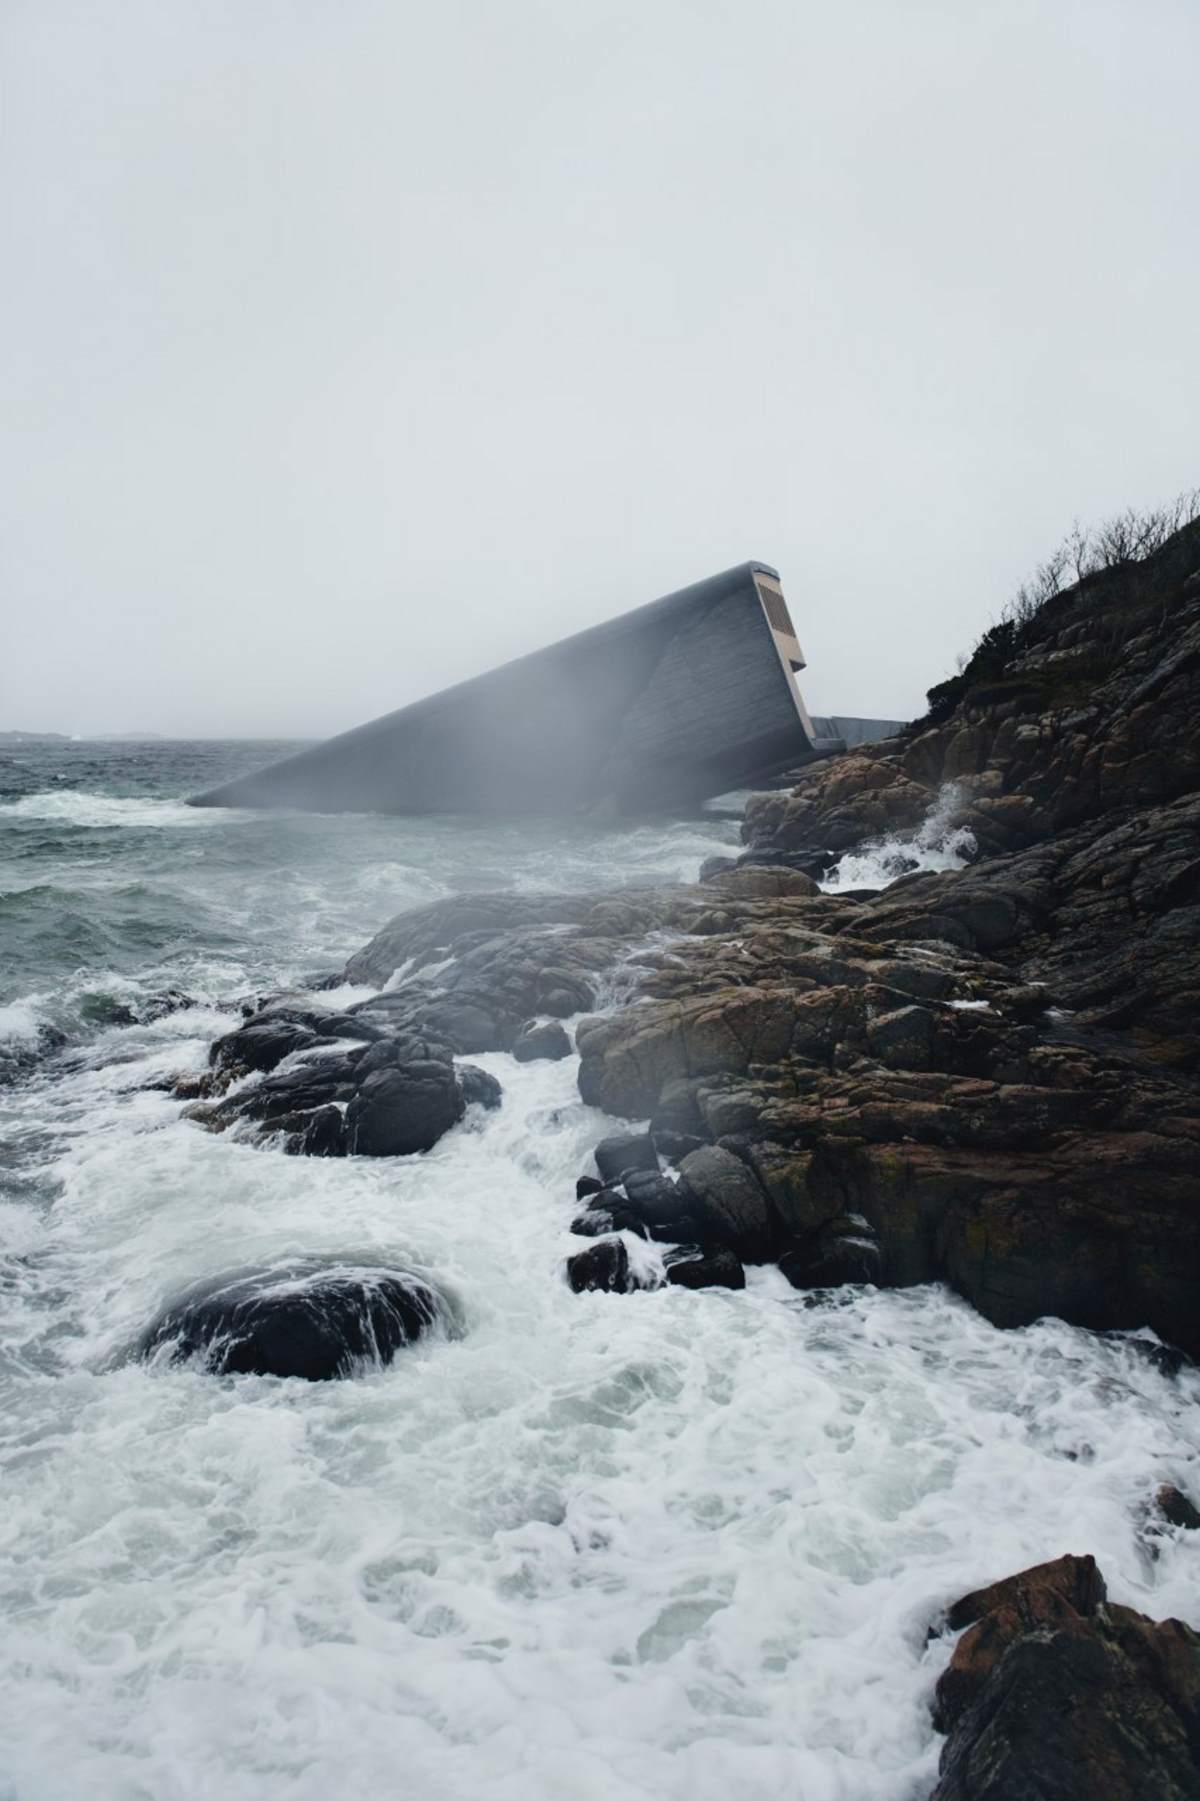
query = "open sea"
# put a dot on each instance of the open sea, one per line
(667, 1546)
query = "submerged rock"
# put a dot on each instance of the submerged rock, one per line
(312, 1322)
(479, 1088)
(1176, 1508)
(537, 1043)
(604, 1265)
(1056, 1693)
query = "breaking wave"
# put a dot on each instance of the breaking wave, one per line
(77, 807)
(937, 844)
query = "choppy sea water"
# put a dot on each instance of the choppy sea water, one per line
(614, 1548)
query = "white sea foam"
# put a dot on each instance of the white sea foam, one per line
(936, 845)
(674, 1546)
(22, 1020)
(665, 1545)
(76, 806)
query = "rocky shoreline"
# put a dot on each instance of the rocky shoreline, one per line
(988, 1077)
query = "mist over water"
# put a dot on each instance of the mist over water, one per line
(655, 1547)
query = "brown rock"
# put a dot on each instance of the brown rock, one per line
(1055, 1694)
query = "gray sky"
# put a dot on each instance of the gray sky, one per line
(350, 346)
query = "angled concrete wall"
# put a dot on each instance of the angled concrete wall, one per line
(677, 700)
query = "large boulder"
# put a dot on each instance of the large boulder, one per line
(623, 1152)
(310, 1321)
(1054, 1693)
(730, 1203)
(398, 1110)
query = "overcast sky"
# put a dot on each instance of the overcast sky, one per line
(350, 346)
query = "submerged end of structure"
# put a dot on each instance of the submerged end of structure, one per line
(665, 706)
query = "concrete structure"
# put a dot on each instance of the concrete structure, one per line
(662, 707)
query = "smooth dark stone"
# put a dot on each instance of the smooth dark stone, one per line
(468, 1029)
(832, 1257)
(397, 1112)
(622, 1152)
(351, 1025)
(535, 1043)
(261, 1045)
(715, 1269)
(675, 1146)
(479, 1088)
(587, 1185)
(296, 1321)
(730, 1203)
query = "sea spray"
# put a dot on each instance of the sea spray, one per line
(937, 844)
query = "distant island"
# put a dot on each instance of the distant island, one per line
(82, 737)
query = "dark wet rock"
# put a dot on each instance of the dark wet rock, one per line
(467, 1028)
(309, 1082)
(535, 1043)
(393, 1091)
(587, 1185)
(355, 1026)
(715, 866)
(604, 1265)
(397, 1111)
(1056, 1693)
(712, 1269)
(674, 1146)
(598, 1222)
(730, 1203)
(261, 1045)
(322, 1134)
(656, 1207)
(479, 1087)
(839, 1253)
(617, 1155)
(1176, 1509)
(315, 1323)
